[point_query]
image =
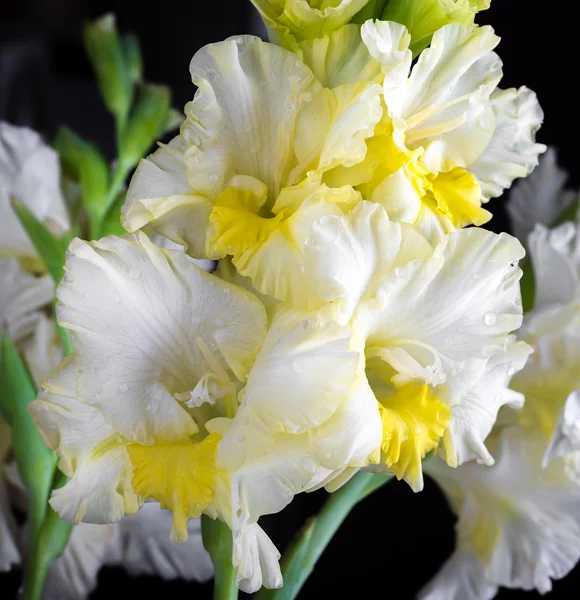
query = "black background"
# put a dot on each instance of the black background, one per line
(395, 541)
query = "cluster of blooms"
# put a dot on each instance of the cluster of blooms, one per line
(354, 320)
(519, 520)
(29, 170)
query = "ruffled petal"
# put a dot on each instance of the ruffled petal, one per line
(444, 106)
(512, 151)
(566, 437)
(73, 576)
(251, 97)
(167, 323)
(147, 549)
(340, 57)
(555, 257)
(473, 419)
(442, 318)
(540, 197)
(520, 522)
(91, 454)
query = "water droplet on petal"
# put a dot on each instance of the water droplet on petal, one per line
(399, 271)
(308, 464)
(489, 319)
(310, 241)
(123, 387)
(227, 290)
(213, 178)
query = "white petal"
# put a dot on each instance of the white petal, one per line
(473, 419)
(298, 350)
(555, 257)
(73, 576)
(566, 436)
(160, 195)
(160, 317)
(388, 44)
(148, 550)
(256, 560)
(512, 151)
(462, 577)
(448, 314)
(444, 106)
(540, 197)
(21, 296)
(349, 255)
(29, 172)
(43, 352)
(522, 522)
(91, 454)
(242, 118)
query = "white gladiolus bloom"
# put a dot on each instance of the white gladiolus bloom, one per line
(30, 173)
(184, 342)
(519, 521)
(519, 524)
(433, 325)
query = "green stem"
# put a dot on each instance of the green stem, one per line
(217, 539)
(120, 174)
(300, 558)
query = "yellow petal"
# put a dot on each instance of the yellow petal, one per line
(458, 197)
(181, 477)
(414, 420)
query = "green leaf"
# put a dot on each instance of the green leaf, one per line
(107, 56)
(89, 166)
(371, 10)
(34, 460)
(146, 124)
(50, 544)
(50, 249)
(133, 59)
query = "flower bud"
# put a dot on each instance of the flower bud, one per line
(423, 18)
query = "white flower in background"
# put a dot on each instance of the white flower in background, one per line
(184, 341)
(540, 198)
(30, 173)
(519, 524)
(139, 544)
(519, 520)
(21, 297)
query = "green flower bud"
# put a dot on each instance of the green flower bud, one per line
(291, 21)
(423, 18)
(107, 56)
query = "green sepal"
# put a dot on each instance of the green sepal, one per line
(50, 249)
(371, 10)
(112, 222)
(106, 53)
(147, 122)
(133, 58)
(89, 167)
(34, 460)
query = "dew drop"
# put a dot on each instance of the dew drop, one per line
(123, 387)
(399, 271)
(310, 241)
(489, 319)
(308, 464)
(213, 178)
(227, 290)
